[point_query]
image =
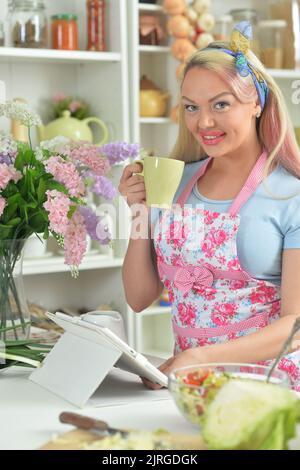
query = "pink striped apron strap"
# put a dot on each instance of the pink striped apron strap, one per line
(254, 322)
(253, 180)
(188, 188)
(170, 272)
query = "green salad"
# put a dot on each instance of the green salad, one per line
(196, 390)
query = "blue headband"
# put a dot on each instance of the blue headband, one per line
(240, 44)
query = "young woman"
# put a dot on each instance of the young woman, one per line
(234, 280)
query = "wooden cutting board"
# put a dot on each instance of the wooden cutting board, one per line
(75, 440)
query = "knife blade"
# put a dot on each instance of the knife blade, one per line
(90, 424)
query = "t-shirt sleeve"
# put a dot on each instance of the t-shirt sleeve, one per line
(292, 234)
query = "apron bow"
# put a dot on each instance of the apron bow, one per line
(193, 277)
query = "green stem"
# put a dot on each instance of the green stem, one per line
(20, 359)
(29, 138)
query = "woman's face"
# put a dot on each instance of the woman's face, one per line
(215, 117)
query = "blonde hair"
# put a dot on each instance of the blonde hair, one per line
(274, 129)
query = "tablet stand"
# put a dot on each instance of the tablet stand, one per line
(76, 366)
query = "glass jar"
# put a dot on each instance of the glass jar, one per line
(248, 14)
(223, 28)
(271, 35)
(96, 25)
(64, 32)
(28, 23)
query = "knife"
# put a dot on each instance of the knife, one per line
(90, 424)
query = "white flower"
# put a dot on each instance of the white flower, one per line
(21, 112)
(55, 145)
(7, 145)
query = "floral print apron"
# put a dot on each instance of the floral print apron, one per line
(214, 300)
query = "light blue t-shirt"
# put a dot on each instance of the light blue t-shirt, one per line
(268, 225)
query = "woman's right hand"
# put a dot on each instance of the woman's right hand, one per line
(132, 186)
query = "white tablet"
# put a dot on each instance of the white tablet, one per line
(130, 360)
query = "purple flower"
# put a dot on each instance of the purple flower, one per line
(90, 220)
(96, 230)
(119, 151)
(5, 159)
(104, 187)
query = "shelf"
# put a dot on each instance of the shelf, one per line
(151, 8)
(52, 55)
(156, 310)
(56, 264)
(155, 49)
(156, 120)
(284, 73)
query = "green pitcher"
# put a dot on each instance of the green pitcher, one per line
(73, 129)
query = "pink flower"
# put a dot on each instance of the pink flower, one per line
(2, 205)
(218, 237)
(8, 173)
(57, 97)
(275, 309)
(187, 314)
(90, 156)
(262, 295)
(182, 343)
(227, 309)
(75, 240)
(210, 217)
(207, 293)
(237, 284)
(290, 367)
(58, 205)
(208, 248)
(74, 105)
(203, 342)
(223, 313)
(168, 286)
(176, 234)
(66, 173)
(234, 264)
(176, 259)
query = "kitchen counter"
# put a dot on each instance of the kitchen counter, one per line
(29, 413)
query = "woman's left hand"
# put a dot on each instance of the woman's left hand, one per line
(185, 358)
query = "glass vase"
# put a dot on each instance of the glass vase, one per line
(14, 312)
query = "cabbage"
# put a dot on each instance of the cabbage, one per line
(251, 415)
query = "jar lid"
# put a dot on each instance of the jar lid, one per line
(26, 4)
(64, 17)
(224, 19)
(272, 24)
(245, 13)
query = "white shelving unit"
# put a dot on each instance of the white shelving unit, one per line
(56, 264)
(101, 78)
(157, 63)
(13, 54)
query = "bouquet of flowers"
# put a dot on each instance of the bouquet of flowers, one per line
(42, 191)
(78, 108)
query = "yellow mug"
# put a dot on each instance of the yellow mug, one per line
(162, 177)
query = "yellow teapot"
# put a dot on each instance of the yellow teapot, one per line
(153, 103)
(72, 128)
